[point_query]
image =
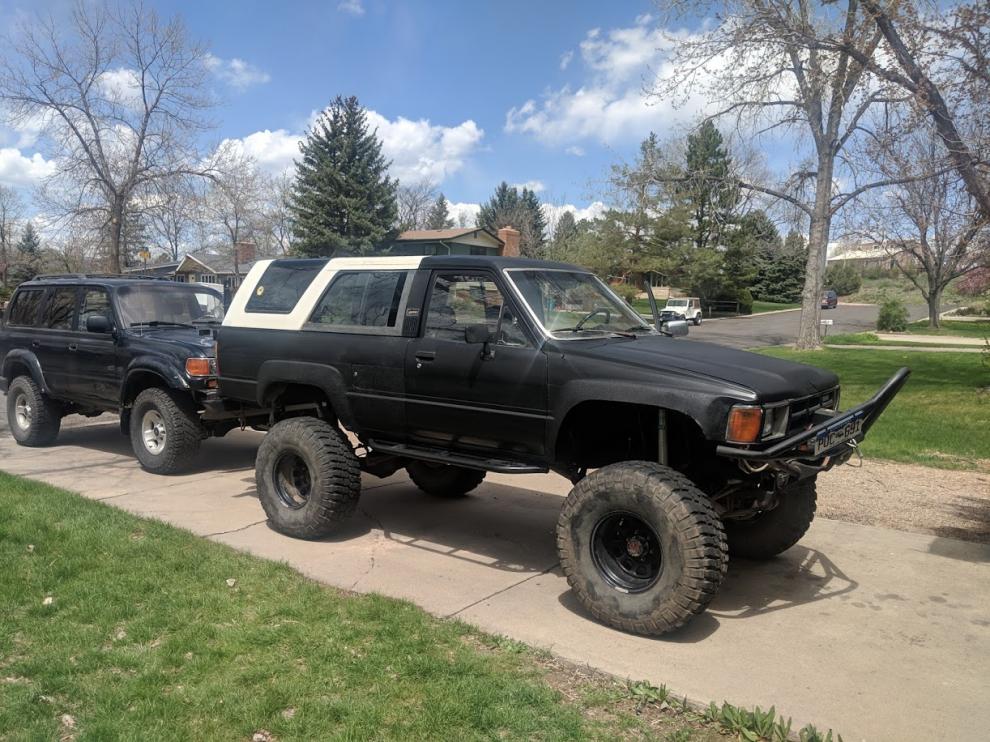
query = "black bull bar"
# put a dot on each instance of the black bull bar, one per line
(796, 446)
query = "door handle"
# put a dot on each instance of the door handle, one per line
(425, 355)
(73, 347)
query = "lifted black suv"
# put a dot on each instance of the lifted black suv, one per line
(680, 452)
(89, 344)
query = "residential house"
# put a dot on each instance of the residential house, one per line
(461, 241)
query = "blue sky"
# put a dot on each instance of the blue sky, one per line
(464, 93)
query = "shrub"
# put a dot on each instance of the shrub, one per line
(974, 283)
(893, 315)
(627, 291)
(843, 279)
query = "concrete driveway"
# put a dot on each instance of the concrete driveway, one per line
(879, 634)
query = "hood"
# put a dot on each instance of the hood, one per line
(184, 338)
(772, 379)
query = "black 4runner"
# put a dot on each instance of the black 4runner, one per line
(79, 344)
(680, 452)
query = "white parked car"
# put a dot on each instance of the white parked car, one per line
(689, 307)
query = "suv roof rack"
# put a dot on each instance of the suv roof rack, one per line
(125, 276)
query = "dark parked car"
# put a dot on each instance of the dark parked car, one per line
(830, 299)
(681, 453)
(83, 344)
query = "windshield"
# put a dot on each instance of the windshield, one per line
(677, 302)
(171, 304)
(572, 305)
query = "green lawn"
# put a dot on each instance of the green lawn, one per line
(940, 418)
(117, 627)
(979, 329)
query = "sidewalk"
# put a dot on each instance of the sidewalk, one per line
(879, 634)
(903, 337)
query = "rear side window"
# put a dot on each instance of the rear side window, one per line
(364, 302)
(281, 285)
(24, 307)
(60, 312)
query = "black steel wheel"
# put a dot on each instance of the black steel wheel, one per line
(642, 548)
(292, 479)
(627, 551)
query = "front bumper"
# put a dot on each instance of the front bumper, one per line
(800, 446)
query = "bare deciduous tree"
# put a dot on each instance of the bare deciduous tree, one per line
(931, 226)
(11, 211)
(120, 95)
(780, 65)
(231, 199)
(171, 213)
(277, 217)
(414, 202)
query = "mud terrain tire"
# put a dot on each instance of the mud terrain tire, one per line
(34, 419)
(768, 534)
(165, 431)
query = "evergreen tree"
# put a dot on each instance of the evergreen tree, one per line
(508, 208)
(342, 199)
(708, 188)
(563, 236)
(28, 259)
(439, 215)
(780, 270)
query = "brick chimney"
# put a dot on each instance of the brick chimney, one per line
(510, 238)
(245, 252)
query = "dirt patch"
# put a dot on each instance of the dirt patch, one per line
(905, 497)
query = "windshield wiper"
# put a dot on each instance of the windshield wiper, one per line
(159, 323)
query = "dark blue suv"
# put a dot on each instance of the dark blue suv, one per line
(84, 344)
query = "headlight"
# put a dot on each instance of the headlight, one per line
(775, 422)
(745, 424)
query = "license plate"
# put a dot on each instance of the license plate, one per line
(837, 433)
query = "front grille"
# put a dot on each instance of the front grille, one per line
(803, 410)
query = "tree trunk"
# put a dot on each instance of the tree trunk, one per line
(934, 305)
(814, 277)
(116, 229)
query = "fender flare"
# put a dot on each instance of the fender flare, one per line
(325, 378)
(30, 360)
(693, 400)
(150, 364)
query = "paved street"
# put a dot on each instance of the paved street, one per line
(780, 328)
(880, 634)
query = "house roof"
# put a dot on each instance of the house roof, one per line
(434, 235)
(215, 263)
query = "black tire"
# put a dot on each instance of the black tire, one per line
(444, 480)
(768, 534)
(34, 419)
(681, 546)
(308, 478)
(697, 320)
(165, 430)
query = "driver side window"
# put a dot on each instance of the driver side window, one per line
(460, 300)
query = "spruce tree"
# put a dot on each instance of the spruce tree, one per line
(342, 200)
(439, 215)
(27, 262)
(708, 187)
(507, 208)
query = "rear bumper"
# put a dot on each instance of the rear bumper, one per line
(801, 445)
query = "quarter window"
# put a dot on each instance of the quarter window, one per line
(281, 285)
(24, 307)
(60, 314)
(363, 301)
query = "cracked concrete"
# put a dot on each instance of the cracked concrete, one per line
(876, 633)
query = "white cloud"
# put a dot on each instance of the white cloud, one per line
(593, 210)
(463, 213)
(575, 150)
(419, 150)
(610, 105)
(534, 185)
(565, 59)
(236, 72)
(353, 7)
(122, 86)
(19, 170)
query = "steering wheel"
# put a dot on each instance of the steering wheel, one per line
(598, 310)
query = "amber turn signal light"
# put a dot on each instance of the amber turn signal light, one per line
(744, 424)
(198, 367)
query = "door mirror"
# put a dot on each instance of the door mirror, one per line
(98, 323)
(477, 334)
(675, 328)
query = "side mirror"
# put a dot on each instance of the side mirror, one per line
(676, 328)
(477, 334)
(98, 323)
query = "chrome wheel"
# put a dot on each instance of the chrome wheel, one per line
(22, 411)
(153, 431)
